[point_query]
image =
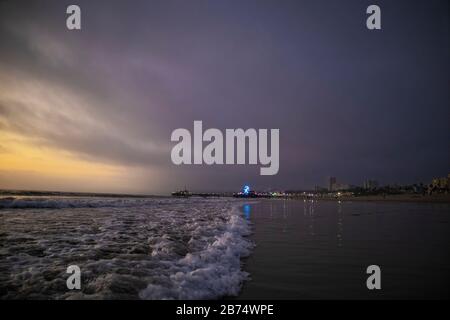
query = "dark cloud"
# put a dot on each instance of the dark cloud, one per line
(348, 102)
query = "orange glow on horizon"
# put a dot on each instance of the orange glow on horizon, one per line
(20, 155)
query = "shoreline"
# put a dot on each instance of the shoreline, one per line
(441, 198)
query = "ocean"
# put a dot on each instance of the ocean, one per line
(321, 250)
(211, 248)
(126, 248)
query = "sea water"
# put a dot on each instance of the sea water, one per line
(195, 248)
(126, 248)
(322, 249)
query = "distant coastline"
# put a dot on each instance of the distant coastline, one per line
(435, 198)
(36, 193)
(423, 198)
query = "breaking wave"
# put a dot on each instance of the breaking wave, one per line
(211, 272)
(74, 202)
(159, 248)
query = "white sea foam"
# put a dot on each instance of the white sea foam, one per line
(212, 271)
(159, 248)
(62, 202)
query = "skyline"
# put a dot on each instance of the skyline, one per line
(93, 110)
(332, 184)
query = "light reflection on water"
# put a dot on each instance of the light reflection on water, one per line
(321, 249)
(246, 208)
(340, 224)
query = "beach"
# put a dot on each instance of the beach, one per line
(213, 248)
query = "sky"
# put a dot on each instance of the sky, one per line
(92, 110)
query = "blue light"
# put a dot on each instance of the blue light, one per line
(246, 190)
(247, 211)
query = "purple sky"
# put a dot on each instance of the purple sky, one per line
(349, 102)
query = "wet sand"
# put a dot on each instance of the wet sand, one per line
(321, 249)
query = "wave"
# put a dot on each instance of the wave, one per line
(162, 248)
(212, 272)
(75, 202)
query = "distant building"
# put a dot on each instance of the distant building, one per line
(370, 184)
(440, 185)
(418, 188)
(332, 184)
(320, 189)
(341, 186)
